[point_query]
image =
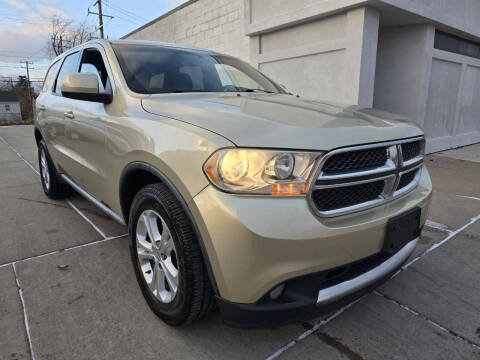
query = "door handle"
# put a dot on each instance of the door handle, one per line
(42, 108)
(69, 114)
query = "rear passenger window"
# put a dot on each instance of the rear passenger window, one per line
(50, 78)
(69, 66)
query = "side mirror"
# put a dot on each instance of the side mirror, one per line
(84, 86)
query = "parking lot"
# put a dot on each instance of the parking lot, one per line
(68, 290)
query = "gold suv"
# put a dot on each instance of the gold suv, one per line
(235, 192)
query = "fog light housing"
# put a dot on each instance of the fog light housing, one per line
(277, 292)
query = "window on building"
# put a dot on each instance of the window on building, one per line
(7, 107)
(455, 44)
(69, 66)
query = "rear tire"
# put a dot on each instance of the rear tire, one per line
(53, 186)
(167, 258)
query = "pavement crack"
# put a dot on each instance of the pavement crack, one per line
(44, 202)
(434, 246)
(25, 317)
(63, 249)
(17, 186)
(427, 319)
(312, 329)
(339, 346)
(70, 302)
(90, 211)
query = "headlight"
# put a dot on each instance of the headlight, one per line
(265, 172)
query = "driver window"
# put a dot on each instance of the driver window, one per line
(92, 62)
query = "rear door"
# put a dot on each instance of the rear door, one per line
(56, 106)
(45, 120)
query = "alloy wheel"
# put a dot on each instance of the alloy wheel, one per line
(44, 169)
(157, 256)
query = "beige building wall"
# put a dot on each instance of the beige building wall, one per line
(331, 58)
(440, 90)
(210, 24)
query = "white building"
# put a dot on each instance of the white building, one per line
(419, 58)
(9, 106)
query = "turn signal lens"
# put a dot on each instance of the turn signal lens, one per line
(265, 172)
(289, 189)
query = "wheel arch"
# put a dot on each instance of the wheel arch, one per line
(38, 135)
(131, 183)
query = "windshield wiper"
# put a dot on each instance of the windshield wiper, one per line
(181, 91)
(244, 89)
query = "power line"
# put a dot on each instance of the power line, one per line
(11, 66)
(100, 16)
(131, 21)
(38, 57)
(124, 11)
(24, 20)
(20, 52)
(13, 80)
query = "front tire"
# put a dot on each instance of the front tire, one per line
(166, 257)
(52, 184)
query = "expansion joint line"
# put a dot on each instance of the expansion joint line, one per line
(25, 316)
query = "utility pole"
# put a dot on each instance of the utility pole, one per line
(100, 16)
(29, 84)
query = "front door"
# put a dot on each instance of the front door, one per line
(86, 129)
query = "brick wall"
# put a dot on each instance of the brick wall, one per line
(210, 24)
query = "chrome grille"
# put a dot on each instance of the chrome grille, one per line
(330, 199)
(356, 160)
(406, 179)
(411, 150)
(356, 178)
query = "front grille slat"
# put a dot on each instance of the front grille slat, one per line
(355, 178)
(356, 161)
(411, 150)
(330, 199)
(406, 179)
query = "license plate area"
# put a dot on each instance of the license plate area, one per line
(401, 230)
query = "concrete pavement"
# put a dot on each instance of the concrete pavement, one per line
(93, 309)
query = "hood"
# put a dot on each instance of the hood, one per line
(281, 121)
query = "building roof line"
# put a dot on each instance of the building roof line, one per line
(179, 7)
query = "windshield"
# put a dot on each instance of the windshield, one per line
(150, 69)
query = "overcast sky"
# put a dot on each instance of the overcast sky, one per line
(24, 26)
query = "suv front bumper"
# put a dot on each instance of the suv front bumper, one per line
(256, 243)
(268, 313)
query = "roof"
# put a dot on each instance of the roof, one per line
(160, 44)
(134, 42)
(8, 96)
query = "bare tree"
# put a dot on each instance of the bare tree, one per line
(81, 32)
(65, 34)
